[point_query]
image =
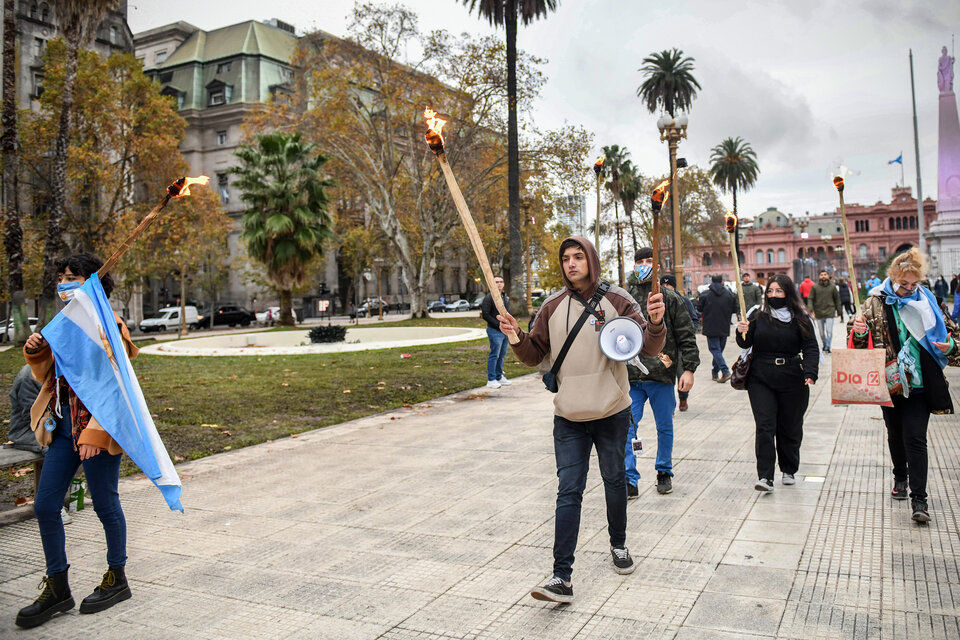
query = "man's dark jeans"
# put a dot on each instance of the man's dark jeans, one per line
(572, 442)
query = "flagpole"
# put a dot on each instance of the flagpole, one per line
(916, 149)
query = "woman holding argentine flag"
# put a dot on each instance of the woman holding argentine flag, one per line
(903, 317)
(61, 421)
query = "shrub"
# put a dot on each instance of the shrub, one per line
(329, 333)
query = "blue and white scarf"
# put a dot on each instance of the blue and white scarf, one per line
(920, 315)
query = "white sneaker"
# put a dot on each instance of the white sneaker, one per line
(493, 384)
(788, 479)
(503, 380)
(65, 516)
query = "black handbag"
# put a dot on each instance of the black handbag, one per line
(739, 371)
(590, 308)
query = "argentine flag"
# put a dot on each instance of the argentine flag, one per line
(90, 354)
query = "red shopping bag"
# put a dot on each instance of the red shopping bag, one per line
(859, 375)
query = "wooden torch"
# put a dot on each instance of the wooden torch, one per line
(435, 140)
(598, 170)
(854, 289)
(658, 199)
(731, 220)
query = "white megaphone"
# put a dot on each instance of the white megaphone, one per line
(621, 340)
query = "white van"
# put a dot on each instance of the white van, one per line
(168, 319)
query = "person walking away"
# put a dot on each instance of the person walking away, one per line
(805, 287)
(752, 295)
(824, 305)
(592, 403)
(904, 319)
(717, 304)
(846, 299)
(670, 281)
(785, 363)
(680, 346)
(940, 288)
(498, 340)
(74, 438)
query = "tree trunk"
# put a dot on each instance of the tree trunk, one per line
(55, 245)
(12, 231)
(514, 281)
(286, 308)
(183, 301)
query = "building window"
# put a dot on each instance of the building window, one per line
(44, 12)
(706, 261)
(759, 256)
(223, 182)
(769, 256)
(160, 56)
(38, 47)
(34, 11)
(863, 251)
(882, 253)
(891, 224)
(221, 138)
(899, 223)
(781, 256)
(224, 67)
(114, 35)
(866, 225)
(216, 97)
(37, 85)
(913, 222)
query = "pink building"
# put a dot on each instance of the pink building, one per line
(773, 242)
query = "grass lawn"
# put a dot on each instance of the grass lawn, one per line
(207, 405)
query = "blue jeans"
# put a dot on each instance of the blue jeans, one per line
(663, 403)
(102, 473)
(956, 307)
(498, 350)
(826, 332)
(716, 345)
(572, 442)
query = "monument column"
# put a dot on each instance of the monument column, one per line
(944, 235)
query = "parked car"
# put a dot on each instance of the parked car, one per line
(31, 322)
(435, 306)
(476, 303)
(230, 315)
(371, 306)
(458, 305)
(271, 316)
(168, 319)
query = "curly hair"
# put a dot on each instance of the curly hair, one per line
(913, 261)
(85, 264)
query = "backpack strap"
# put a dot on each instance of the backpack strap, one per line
(589, 308)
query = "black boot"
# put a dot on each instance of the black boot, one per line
(112, 589)
(55, 598)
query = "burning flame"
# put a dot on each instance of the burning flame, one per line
(731, 220)
(660, 191)
(598, 165)
(181, 187)
(838, 182)
(434, 136)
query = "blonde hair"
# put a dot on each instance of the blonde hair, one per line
(913, 261)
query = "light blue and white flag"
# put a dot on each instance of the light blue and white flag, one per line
(898, 159)
(91, 356)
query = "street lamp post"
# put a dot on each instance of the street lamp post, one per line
(803, 223)
(672, 130)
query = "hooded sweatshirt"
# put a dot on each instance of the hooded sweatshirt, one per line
(591, 385)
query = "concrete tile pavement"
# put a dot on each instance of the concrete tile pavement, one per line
(434, 522)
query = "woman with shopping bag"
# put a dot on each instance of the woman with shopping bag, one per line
(778, 379)
(902, 317)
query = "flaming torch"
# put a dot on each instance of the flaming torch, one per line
(179, 189)
(435, 140)
(854, 289)
(731, 220)
(658, 199)
(598, 169)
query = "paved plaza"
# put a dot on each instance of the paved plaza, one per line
(433, 523)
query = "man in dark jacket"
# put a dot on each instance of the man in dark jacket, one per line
(752, 295)
(670, 282)
(22, 395)
(846, 301)
(679, 350)
(498, 340)
(716, 305)
(824, 305)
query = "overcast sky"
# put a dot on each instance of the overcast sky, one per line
(808, 83)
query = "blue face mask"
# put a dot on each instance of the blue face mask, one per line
(642, 271)
(68, 290)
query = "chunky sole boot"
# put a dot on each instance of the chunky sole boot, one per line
(112, 590)
(55, 598)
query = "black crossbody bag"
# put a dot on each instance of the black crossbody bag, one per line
(589, 308)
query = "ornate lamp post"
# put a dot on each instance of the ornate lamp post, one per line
(803, 223)
(672, 130)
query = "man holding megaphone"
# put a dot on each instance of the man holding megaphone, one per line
(592, 403)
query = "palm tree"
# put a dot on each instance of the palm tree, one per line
(286, 220)
(78, 20)
(734, 166)
(631, 186)
(669, 85)
(615, 159)
(508, 13)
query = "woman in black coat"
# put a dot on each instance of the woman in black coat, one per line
(846, 302)
(778, 333)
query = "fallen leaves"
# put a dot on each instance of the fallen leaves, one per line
(19, 473)
(22, 502)
(347, 391)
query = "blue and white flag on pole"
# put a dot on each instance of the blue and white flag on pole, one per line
(897, 160)
(90, 354)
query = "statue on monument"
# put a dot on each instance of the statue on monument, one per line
(945, 73)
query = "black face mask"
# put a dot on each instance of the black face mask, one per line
(776, 303)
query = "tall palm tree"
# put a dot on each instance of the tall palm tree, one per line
(733, 165)
(615, 159)
(669, 85)
(508, 13)
(631, 186)
(286, 219)
(78, 21)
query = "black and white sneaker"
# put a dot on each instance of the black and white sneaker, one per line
(554, 591)
(763, 484)
(664, 483)
(622, 562)
(788, 479)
